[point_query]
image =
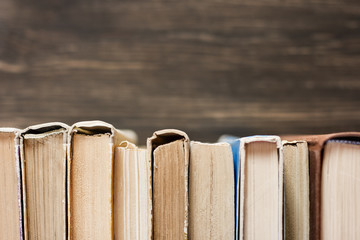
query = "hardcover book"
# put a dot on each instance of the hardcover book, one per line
(11, 224)
(296, 190)
(168, 151)
(261, 188)
(43, 164)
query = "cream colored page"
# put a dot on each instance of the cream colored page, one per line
(261, 192)
(9, 209)
(144, 195)
(45, 174)
(340, 196)
(91, 187)
(130, 194)
(296, 183)
(211, 192)
(169, 191)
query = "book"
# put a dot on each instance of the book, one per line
(211, 191)
(235, 148)
(296, 190)
(11, 224)
(258, 177)
(168, 151)
(90, 179)
(316, 145)
(43, 164)
(132, 193)
(340, 192)
(261, 188)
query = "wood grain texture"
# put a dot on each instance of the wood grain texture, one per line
(207, 67)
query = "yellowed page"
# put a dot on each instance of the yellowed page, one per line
(296, 186)
(261, 203)
(211, 192)
(169, 190)
(45, 184)
(131, 193)
(340, 191)
(91, 187)
(9, 203)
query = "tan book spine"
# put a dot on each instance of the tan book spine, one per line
(211, 192)
(165, 137)
(38, 129)
(296, 189)
(15, 134)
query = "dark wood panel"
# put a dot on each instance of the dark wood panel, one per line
(206, 67)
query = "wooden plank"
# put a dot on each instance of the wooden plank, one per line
(206, 67)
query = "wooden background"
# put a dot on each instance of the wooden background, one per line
(207, 66)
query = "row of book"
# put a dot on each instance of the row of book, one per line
(91, 181)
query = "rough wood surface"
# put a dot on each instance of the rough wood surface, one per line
(207, 67)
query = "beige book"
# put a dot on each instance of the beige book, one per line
(10, 185)
(296, 189)
(43, 163)
(261, 191)
(211, 192)
(340, 191)
(90, 179)
(168, 151)
(132, 193)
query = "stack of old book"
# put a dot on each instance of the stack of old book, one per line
(91, 181)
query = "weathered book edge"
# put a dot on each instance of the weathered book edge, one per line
(116, 137)
(162, 137)
(18, 176)
(271, 139)
(286, 143)
(37, 129)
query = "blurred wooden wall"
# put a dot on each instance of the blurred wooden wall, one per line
(207, 67)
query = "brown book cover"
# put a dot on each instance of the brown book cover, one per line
(315, 145)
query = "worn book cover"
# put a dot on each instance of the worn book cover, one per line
(168, 151)
(43, 164)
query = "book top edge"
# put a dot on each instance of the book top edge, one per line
(209, 144)
(169, 132)
(9, 130)
(261, 138)
(44, 127)
(100, 127)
